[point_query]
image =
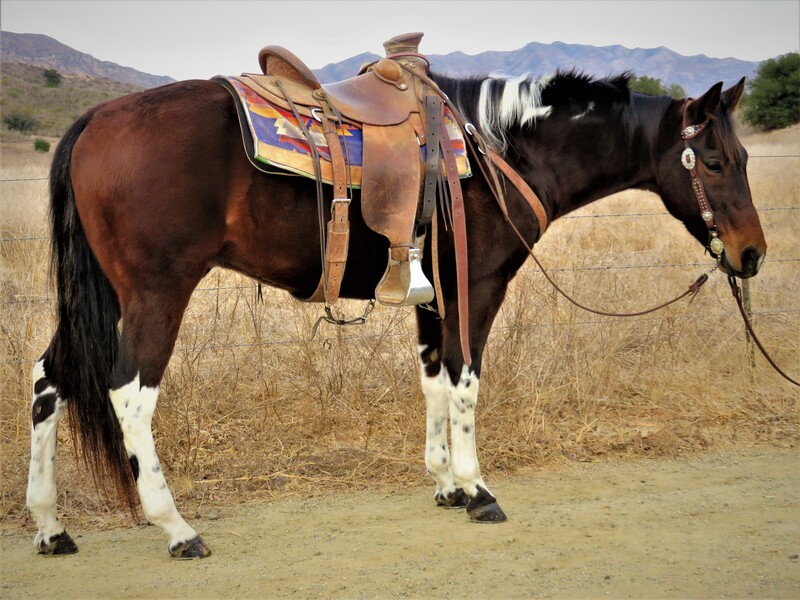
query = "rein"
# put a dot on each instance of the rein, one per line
(738, 296)
(688, 159)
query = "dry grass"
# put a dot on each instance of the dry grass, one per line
(250, 409)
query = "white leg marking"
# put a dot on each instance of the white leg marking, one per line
(41, 495)
(437, 454)
(134, 406)
(463, 398)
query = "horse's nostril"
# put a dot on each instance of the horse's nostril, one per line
(751, 260)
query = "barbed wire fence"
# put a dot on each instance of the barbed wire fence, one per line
(48, 299)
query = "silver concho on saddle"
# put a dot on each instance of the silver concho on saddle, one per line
(376, 132)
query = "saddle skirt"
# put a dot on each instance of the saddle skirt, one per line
(273, 138)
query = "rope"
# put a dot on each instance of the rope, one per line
(738, 296)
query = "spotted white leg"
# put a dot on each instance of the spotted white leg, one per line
(134, 406)
(463, 398)
(47, 410)
(437, 453)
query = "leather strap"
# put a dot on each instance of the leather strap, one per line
(689, 160)
(433, 108)
(523, 188)
(437, 282)
(338, 228)
(459, 241)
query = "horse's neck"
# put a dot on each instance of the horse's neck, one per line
(571, 163)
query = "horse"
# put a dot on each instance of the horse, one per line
(150, 191)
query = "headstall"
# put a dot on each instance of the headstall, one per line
(689, 161)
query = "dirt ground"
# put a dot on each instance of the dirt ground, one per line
(725, 524)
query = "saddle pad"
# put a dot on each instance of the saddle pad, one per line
(279, 142)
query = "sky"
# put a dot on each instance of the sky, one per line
(199, 39)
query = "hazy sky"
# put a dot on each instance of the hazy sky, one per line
(199, 39)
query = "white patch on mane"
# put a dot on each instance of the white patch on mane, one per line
(520, 103)
(589, 108)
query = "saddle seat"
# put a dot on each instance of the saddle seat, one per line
(365, 99)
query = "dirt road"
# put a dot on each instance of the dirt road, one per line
(716, 525)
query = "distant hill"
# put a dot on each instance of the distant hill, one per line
(53, 109)
(44, 51)
(89, 81)
(694, 73)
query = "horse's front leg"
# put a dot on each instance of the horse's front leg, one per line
(433, 380)
(451, 394)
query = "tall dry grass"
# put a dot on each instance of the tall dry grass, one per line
(251, 409)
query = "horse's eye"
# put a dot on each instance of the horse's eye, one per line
(713, 166)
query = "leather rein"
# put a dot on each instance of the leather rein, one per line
(489, 160)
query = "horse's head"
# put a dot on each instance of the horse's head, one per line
(702, 178)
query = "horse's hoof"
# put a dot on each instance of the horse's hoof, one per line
(58, 545)
(193, 548)
(484, 508)
(457, 499)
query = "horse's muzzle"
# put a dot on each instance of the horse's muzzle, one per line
(751, 261)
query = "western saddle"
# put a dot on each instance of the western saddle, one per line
(408, 162)
(391, 100)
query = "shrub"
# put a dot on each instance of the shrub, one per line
(52, 78)
(20, 122)
(41, 145)
(653, 85)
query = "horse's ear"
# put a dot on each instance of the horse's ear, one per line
(705, 105)
(732, 95)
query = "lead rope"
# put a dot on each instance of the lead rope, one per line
(484, 162)
(688, 160)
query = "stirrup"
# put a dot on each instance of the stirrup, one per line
(404, 283)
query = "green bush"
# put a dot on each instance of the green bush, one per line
(653, 86)
(20, 122)
(52, 78)
(41, 145)
(774, 98)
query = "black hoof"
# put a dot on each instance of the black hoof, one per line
(457, 499)
(484, 508)
(193, 548)
(59, 545)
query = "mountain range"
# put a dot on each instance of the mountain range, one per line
(694, 73)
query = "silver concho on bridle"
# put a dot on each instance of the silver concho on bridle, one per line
(688, 159)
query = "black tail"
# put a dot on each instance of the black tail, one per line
(83, 350)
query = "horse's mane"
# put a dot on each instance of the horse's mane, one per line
(498, 104)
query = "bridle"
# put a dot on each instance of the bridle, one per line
(689, 161)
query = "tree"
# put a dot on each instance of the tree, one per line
(646, 85)
(676, 91)
(52, 78)
(653, 86)
(774, 98)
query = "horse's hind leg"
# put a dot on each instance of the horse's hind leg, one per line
(149, 329)
(47, 410)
